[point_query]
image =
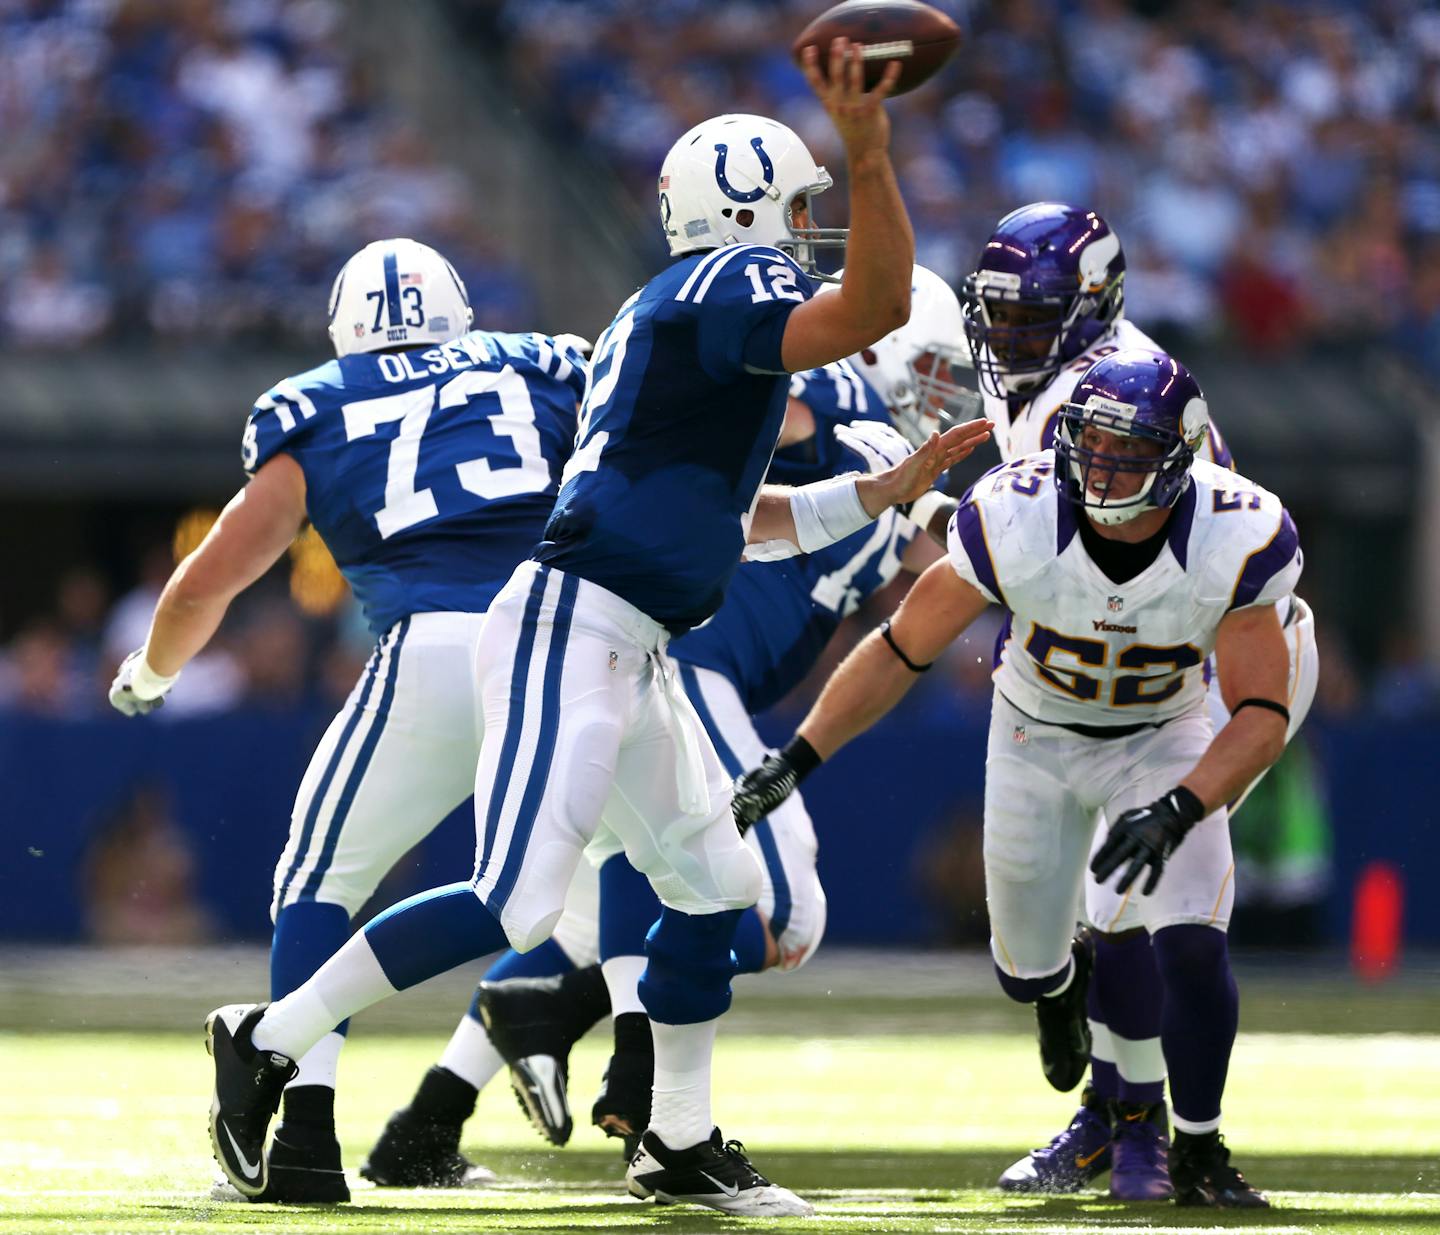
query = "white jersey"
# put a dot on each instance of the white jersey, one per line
(1033, 426)
(1081, 649)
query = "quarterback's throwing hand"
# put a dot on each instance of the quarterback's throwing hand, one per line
(138, 689)
(1146, 837)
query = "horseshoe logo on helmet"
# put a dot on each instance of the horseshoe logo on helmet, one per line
(767, 171)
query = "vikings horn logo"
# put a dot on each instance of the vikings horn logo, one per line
(767, 171)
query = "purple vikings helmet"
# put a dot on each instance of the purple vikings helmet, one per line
(1049, 282)
(1135, 394)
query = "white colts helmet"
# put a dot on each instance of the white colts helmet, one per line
(913, 367)
(396, 293)
(732, 179)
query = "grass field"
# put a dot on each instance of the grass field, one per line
(106, 1133)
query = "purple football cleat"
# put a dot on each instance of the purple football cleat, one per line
(1071, 1160)
(1140, 1154)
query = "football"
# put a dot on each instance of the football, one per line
(921, 38)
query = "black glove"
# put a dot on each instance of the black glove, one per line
(1147, 836)
(762, 789)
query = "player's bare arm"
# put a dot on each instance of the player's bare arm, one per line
(867, 685)
(1254, 680)
(1253, 664)
(874, 297)
(253, 530)
(910, 478)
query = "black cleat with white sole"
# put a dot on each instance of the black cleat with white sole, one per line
(540, 1084)
(304, 1170)
(715, 1173)
(414, 1152)
(248, 1085)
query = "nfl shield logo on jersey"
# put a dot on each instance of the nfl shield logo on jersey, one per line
(1019, 736)
(1115, 604)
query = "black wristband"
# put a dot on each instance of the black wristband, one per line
(1268, 704)
(895, 647)
(801, 756)
(1190, 808)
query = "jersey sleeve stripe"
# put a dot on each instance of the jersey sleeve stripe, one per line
(699, 272)
(970, 525)
(1262, 565)
(714, 271)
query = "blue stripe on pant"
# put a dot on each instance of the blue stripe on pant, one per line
(322, 790)
(764, 833)
(357, 773)
(544, 747)
(514, 720)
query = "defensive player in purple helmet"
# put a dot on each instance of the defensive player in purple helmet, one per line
(1123, 562)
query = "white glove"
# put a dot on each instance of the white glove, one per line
(137, 689)
(878, 444)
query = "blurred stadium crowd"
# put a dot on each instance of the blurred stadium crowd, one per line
(1273, 169)
(188, 171)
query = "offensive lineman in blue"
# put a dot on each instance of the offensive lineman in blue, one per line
(427, 457)
(584, 715)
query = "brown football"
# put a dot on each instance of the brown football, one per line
(920, 37)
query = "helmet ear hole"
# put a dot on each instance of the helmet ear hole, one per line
(745, 217)
(727, 212)
(867, 355)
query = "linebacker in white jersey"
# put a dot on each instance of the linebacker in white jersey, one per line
(1045, 302)
(1123, 563)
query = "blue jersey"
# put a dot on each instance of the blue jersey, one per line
(429, 473)
(680, 418)
(778, 616)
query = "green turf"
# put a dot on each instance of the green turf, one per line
(106, 1133)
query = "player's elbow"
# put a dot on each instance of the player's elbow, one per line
(893, 312)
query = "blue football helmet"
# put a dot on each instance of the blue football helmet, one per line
(1048, 284)
(1151, 400)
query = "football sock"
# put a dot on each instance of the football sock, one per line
(1126, 990)
(319, 1064)
(622, 981)
(470, 1056)
(749, 945)
(1199, 1017)
(444, 1098)
(1028, 990)
(310, 1105)
(414, 940)
(306, 935)
(680, 1109)
(1104, 1077)
(628, 908)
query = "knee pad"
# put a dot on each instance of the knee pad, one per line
(688, 967)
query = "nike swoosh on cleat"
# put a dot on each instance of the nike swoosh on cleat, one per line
(1084, 1160)
(251, 1170)
(733, 1190)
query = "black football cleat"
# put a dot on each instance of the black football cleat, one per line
(304, 1170)
(622, 1108)
(248, 1085)
(1062, 1025)
(414, 1152)
(715, 1173)
(532, 1023)
(1202, 1176)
